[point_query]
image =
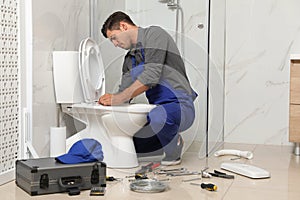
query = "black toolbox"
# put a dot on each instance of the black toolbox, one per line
(47, 176)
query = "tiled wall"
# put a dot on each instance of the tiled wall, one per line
(58, 25)
(261, 35)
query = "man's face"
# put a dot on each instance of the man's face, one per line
(119, 38)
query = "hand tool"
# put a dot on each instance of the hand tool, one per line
(167, 171)
(111, 178)
(205, 175)
(207, 186)
(193, 179)
(172, 170)
(221, 175)
(138, 177)
(147, 168)
(183, 173)
(97, 191)
(141, 176)
(162, 180)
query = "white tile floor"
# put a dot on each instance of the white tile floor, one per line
(278, 160)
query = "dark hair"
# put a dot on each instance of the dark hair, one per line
(113, 22)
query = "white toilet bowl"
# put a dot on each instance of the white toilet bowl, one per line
(79, 81)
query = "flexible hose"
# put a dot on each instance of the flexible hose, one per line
(244, 154)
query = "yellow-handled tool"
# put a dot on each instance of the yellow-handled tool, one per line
(207, 186)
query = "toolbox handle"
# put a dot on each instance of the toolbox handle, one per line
(71, 182)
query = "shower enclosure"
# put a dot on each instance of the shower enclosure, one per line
(197, 26)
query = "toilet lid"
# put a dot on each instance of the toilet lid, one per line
(91, 70)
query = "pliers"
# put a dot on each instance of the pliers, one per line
(221, 175)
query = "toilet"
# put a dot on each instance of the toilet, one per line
(79, 81)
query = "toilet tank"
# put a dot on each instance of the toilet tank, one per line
(66, 77)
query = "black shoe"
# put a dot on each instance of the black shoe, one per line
(175, 158)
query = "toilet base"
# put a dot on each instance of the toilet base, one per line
(122, 153)
(118, 151)
(113, 129)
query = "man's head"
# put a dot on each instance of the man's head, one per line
(117, 28)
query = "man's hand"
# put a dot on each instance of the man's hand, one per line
(110, 100)
(116, 99)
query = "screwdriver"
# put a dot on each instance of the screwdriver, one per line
(207, 186)
(111, 178)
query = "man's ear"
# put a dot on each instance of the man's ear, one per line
(123, 26)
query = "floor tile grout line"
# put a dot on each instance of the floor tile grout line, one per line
(227, 190)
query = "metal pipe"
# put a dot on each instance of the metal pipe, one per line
(92, 17)
(297, 149)
(172, 5)
(208, 74)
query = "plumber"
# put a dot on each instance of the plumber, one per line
(152, 65)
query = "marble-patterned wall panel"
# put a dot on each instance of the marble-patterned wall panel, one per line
(102, 9)
(112, 57)
(57, 25)
(260, 37)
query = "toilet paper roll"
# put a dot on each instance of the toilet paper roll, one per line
(57, 141)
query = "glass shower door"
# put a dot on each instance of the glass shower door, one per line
(197, 26)
(187, 22)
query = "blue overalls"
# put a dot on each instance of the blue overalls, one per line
(174, 113)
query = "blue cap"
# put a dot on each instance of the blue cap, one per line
(85, 150)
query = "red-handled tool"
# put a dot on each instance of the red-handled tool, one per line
(147, 168)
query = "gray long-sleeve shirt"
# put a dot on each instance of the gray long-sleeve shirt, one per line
(162, 61)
